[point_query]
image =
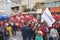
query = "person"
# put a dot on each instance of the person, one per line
(47, 32)
(59, 32)
(43, 31)
(24, 31)
(39, 35)
(9, 29)
(54, 34)
(14, 27)
(6, 34)
(33, 33)
(29, 32)
(1, 33)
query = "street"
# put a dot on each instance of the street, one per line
(18, 36)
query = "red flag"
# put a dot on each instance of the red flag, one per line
(59, 16)
(55, 16)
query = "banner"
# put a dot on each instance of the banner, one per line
(46, 16)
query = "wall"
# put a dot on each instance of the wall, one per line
(53, 9)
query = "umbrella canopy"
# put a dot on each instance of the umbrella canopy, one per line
(3, 17)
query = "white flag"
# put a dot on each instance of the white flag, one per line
(46, 16)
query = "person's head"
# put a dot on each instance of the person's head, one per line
(9, 25)
(29, 25)
(6, 24)
(33, 24)
(54, 27)
(2, 23)
(25, 23)
(41, 25)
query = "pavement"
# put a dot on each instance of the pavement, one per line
(18, 36)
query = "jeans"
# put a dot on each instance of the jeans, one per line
(34, 37)
(7, 38)
(55, 38)
(24, 38)
(14, 33)
(29, 37)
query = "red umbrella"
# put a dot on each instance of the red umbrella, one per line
(17, 24)
(21, 25)
(31, 17)
(11, 18)
(22, 17)
(18, 17)
(21, 21)
(27, 17)
(35, 20)
(15, 20)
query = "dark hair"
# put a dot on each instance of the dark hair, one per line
(29, 25)
(25, 23)
(34, 24)
(9, 25)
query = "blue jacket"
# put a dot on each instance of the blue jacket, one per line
(24, 31)
(29, 31)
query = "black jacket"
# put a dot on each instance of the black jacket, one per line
(14, 27)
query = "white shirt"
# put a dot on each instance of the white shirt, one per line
(53, 32)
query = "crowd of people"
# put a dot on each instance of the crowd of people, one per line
(7, 31)
(30, 31)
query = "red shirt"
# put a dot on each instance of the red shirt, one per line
(43, 30)
(3, 24)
